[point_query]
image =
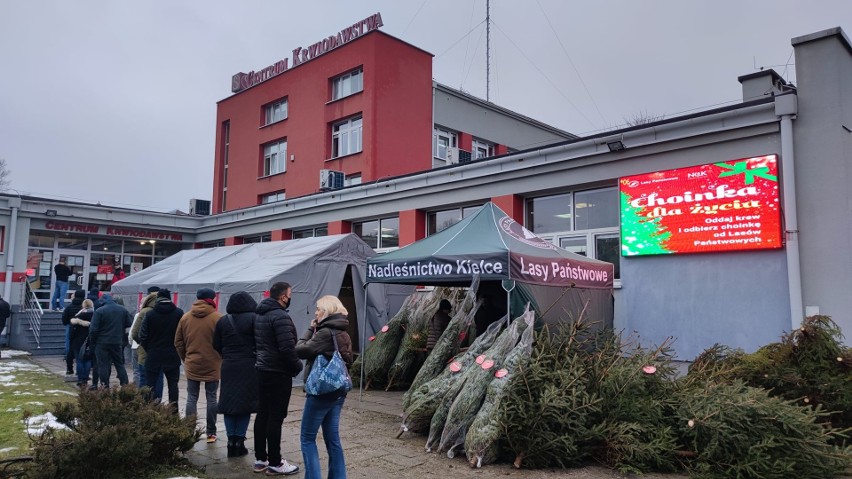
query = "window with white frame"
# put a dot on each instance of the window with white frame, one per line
(444, 140)
(351, 180)
(437, 221)
(380, 233)
(482, 149)
(262, 238)
(274, 158)
(583, 222)
(275, 112)
(346, 137)
(273, 197)
(347, 84)
(310, 232)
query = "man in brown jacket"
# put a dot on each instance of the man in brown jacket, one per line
(201, 362)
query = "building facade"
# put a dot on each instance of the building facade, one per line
(366, 109)
(745, 281)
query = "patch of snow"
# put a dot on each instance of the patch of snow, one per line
(14, 353)
(7, 449)
(37, 424)
(59, 391)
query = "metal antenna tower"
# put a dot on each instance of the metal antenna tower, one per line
(488, 50)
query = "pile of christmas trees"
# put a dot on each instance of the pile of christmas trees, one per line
(576, 397)
(394, 355)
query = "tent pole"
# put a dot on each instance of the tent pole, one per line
(508, 300)
(363, 339)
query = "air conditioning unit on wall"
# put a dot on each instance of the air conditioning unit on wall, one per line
(452, 155)
(331, 180)
(199, 207)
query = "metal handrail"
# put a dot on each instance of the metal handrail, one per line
(33, 312)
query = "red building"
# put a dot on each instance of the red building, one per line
(360, 102)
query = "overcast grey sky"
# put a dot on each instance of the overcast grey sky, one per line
(115, 101)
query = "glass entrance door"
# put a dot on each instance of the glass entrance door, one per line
(77, 262)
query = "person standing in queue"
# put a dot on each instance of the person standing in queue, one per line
(327, 334)
(277, 365)
(201, 362)
(107, 333)
(158, 338)
(234, 339)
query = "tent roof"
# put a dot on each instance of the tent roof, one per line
(249, 267)
(489, 243)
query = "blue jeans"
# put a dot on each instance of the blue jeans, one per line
(237, 424)
(59, 293)
(210, 389)
(326, 413)
(84, 367)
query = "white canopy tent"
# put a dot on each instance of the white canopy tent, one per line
(314, 267)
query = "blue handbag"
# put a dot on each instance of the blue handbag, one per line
(328, 376)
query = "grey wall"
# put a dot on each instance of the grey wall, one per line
(489, 124)
(737, 299)
(823, 161)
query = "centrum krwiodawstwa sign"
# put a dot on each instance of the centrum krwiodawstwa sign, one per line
(728, 206)
(241, 81)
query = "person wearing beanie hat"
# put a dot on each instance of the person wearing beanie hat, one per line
(69, 312)
(201, 361)
(438, 324)
(207, 295)
(153, 289)
(157, 336)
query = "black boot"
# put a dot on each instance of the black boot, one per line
(240, 447)
(232, 445)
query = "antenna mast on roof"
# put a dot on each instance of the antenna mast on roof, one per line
(488, 50)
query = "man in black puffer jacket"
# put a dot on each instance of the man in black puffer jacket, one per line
(277, 364)
(157, 336)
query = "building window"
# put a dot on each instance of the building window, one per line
(275, 112)
(444, 140)
(273, 197)
(379, 234)
(583, 222)
(347, 84)
(437, 221)
(310, 232)
(274, 158)
(351, 180)
(226, 146)
(264, 238)
(346, 137)
(482, 149)
(213, 244)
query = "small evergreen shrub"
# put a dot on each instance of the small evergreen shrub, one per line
(112, 433)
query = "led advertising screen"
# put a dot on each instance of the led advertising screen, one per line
(728, 206)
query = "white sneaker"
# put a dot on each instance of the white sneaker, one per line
(283, 469)
(260, 466)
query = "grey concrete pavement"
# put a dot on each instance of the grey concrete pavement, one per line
(368, 429)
